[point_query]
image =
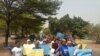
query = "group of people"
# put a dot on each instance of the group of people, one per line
(61, 44)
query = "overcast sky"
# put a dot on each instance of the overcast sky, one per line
(89, 10)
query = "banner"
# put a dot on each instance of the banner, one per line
(84, 52)
(36, 52)
(29, 51)
(46, 48)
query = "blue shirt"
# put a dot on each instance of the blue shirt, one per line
(71, 50)
(60, 35)
(64, 50)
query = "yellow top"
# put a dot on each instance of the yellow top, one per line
(81, 42)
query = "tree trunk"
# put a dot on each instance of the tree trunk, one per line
(26, 33)
(7, 33)
(15, 32)
(22, 32)
(97, 40)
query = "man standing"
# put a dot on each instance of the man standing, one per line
(46, 47)
(63, 49)
(71, 47)
(17, 50)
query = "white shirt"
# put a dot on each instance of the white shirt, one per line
(40, 42)
(17, 51)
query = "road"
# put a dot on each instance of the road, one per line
(94, 47)
(3, 51)
(91, 44)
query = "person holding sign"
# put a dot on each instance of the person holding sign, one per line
(27, 48)
(46, 47)
(71, 47)
(83, 52)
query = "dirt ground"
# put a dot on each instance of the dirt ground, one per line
(94, 47)
(91, 44)
(3, 51)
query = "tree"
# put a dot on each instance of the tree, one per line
(65, 23)
(53, 24)
(75, 24)
(79, 26)
(2, 24)
(2, 27)
(11, 9)
(94, 32)
(27, 24)
(46, 31)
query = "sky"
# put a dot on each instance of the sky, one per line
(89, 10)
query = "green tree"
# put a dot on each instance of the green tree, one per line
(2, 27)
(79, 26)
(2, 24)
(27, 24)
(65, 23)
(53, 24)
(46, 31)
(75, 24)
(11, 9)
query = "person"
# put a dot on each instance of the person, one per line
(57, 51)
(31, 43)
(71, 47)
(51, 37)
(46, 47)
(81, 49)
(55, 44)
(17, 50)
(27, 47)
(63, 49)
(41, 41)
(82, 52)
(76, 39)
(54, 47)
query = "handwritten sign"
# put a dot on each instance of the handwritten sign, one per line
(29, 51)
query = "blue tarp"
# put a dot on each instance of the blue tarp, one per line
(84, 52)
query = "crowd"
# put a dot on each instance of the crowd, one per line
(61, 44)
